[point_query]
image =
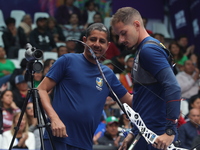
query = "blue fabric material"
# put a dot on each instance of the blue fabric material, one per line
(187, 133)
(80, 96)
(153, 101)
(59, 146)
(4, 79)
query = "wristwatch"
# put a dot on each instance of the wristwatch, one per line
(169, 132)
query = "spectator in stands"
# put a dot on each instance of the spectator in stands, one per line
(185, 48)
(6, 67)
(188, 80)
(13, 39)
(18, 71)
(97, 18)
(38, 76)
(24, 139)
(111, 136)
(160, 37)
(118, 61)
(111, 107)
(64, 11)
(8, 107)
(125, 76)
(188, 131)
(55, 30)
(196, 142)
(194, 102)
(62, 50)
(41, 38)
(179, 57)
(32, 122)
(26, 25)
(89, 12)
(124, 123)
(47, 64)
(108, 63)
(71, 46)
(73, 29)
(21, 90)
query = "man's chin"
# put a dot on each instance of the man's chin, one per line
(130, 47)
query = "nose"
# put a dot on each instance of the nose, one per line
(96, 44)
(121, 39)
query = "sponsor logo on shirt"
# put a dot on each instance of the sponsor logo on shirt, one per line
(99, 82)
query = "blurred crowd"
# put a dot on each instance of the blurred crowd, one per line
(53, 34)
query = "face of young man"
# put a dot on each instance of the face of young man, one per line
(97, 40)
(128, 34)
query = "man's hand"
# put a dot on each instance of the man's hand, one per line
(126, 142)
(163, 141)
(58, 128)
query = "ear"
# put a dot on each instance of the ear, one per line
(84, 39)
(136, 23)
(108, 46)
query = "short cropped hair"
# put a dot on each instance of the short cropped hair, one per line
(99, 27)
(125, 15)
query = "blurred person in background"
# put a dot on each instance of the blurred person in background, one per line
(21, 90)
(64, 11)
(41, 38)
(9, 108)
(178, 55)
(32, 122)
(26, 25)
(55, 30)
(188, 80)
(189, 130)
(62, 50)
(13, 38)
(73, 29)
(185, 48)
(6, 67)
(111, 136)
(24, 138)
(18, 71)
(125, 77)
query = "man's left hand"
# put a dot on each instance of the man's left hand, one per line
(163, 141)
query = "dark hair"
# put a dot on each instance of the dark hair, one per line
(89, 2)
(182, 36)
(23, 63)
(47, 62)
(192, 100)
(1, 103)
(10, 20)
(99, 27)
(58, 48)
(180, 55)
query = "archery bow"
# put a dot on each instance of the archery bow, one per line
(134, 117)
(148, 135)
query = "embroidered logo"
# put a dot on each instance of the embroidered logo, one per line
(99, 82)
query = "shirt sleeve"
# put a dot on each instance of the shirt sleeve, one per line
(172, 96)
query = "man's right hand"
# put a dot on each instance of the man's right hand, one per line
(127, 141)
(58, 128)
